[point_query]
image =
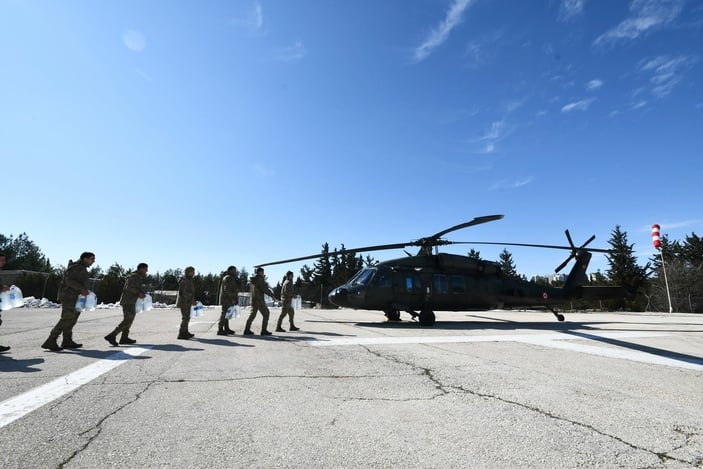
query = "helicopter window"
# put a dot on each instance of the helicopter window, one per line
(458, 284)
(413, 283)
(363, 277)
(440, 284)
(383, 280)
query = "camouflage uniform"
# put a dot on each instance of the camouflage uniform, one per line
(75, 280)
(229, 295)
(287, 295)
(257, 288)
(186, 293)
(131, 291)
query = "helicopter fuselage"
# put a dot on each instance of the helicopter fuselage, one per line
(444, 282)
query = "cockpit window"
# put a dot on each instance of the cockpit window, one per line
(363, 277)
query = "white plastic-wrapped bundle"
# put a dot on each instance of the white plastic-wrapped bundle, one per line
(87, 302)
(11, 298)
(233, 312)
(196, 310)
(144, 304)
(297, 302)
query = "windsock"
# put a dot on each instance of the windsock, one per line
(655, 236)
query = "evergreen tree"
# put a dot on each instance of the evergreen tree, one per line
(108, 288)
(170, 278)
(22, 254)
(625, 271)
(474, 254)
(683, 262)
(507, 265)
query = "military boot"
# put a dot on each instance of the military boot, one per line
(112, 338)
(221, 329)
(227, 329)
(68, 341)
(125, 340)
(50, 344)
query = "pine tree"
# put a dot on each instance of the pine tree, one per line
(22, 254)
(683, 262)
(625, 271)
(507, 264)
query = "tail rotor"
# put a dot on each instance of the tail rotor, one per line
(574, 250)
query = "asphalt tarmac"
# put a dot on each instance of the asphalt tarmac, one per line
(481, 390)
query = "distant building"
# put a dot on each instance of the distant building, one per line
(549, 279)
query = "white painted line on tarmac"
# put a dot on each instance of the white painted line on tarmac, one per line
(19, 406)
(474, 338)
(690, 363)
(563, 341)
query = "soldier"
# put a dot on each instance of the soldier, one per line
(3, 348)
(257, 288)
(74, 283)
(133, 289)
(287, 295)
(229, 296)
(186, 293)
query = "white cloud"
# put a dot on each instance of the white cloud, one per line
(292, 53)
(594, 84)
(673, 225)
(253, 19)
(581, 105)
(645, 15)
(496, 132)
(666, 73)
(439, 35)
(569, 9)
(513, 106)
(485, 49)
(134, 40)
(639, 105)
(258, 16)
(504, 184)
(490, 147)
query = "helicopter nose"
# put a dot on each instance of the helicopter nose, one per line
(339, 297)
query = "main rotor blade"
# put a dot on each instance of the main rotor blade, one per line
(380, 247)
(475, 221)
(549, 246)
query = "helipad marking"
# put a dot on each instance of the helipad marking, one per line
(19, 406)
(474, 338)
(554, 340)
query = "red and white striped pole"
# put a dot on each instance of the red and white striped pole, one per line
(656, 240)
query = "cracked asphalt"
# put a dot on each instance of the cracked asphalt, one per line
(282, 401)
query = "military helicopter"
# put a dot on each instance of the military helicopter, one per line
(429, 280)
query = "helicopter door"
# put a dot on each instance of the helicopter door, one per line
(411, 292)
(440, 291)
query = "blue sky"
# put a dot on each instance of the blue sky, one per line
(241, 132)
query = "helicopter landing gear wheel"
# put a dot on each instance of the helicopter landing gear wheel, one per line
(559, 316)
(427, 317)
(392, 315)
